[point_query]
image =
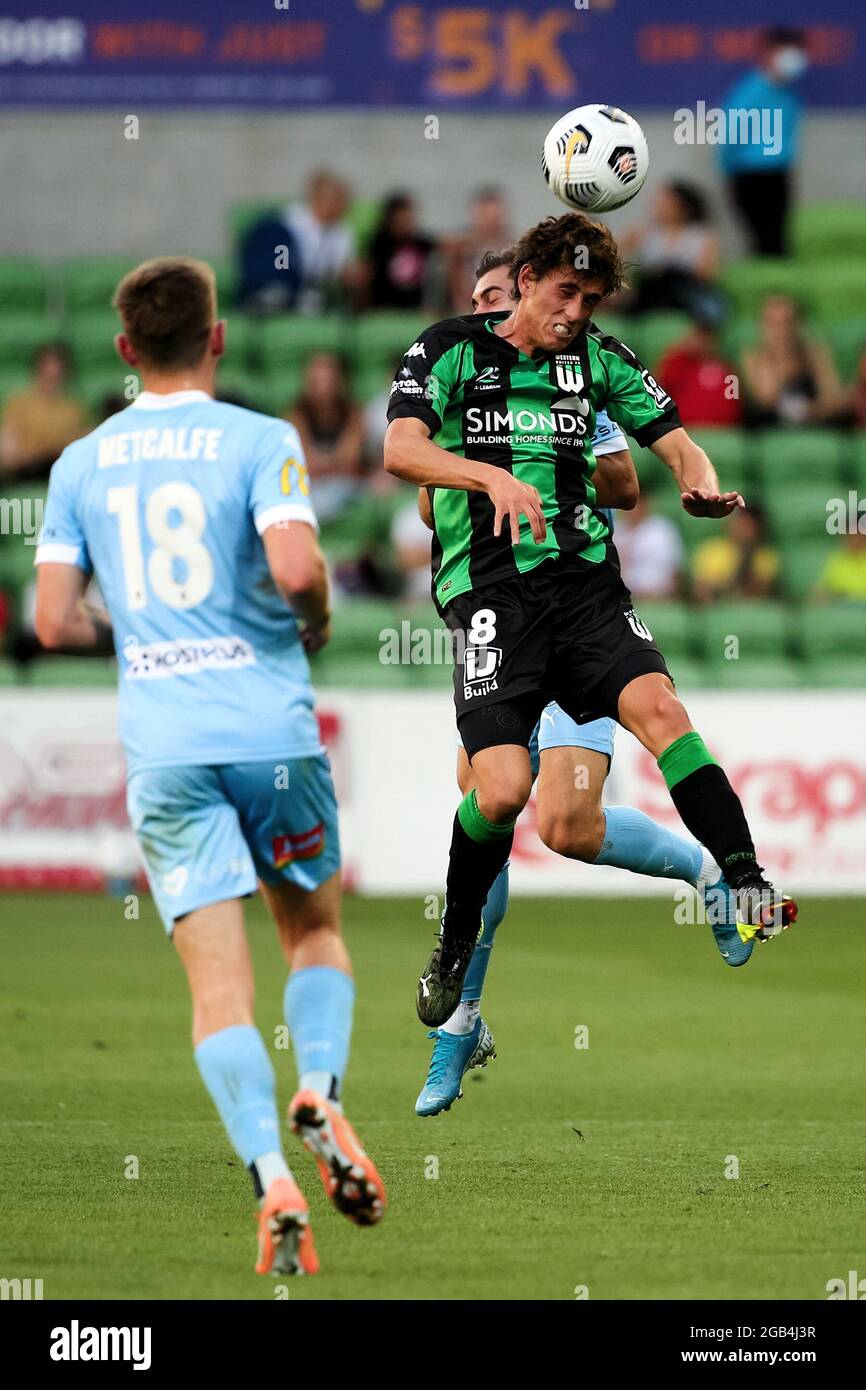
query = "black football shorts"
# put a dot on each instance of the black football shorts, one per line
(570, 635)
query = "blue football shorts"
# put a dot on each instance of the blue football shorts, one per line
(208, 833)
(556, 729)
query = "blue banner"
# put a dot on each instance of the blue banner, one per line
(503, 55)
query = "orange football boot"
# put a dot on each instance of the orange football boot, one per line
(285, 1236)
(348, 1174)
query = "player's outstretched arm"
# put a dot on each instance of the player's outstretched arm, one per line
(695, 476)
(411, 454)
(616, 481)
(64, 622)
(300, 573)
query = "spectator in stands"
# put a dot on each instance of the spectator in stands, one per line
(650, 551)
(758, 171)
(325, 244)
(703, 383)
(676, 255)
(844, 575)
(331, 426)
(38, 422)
(739, 564)
(790, 380)
(398, 258)
(303, 258)
(489, 228)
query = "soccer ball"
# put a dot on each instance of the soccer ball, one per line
(595, 158)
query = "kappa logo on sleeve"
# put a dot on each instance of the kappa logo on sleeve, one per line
(290, 848)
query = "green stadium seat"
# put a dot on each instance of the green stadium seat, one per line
(858, 461)
(248, 389)
(802, 563)
(846, 339)
(89, 282)
(837, 672)
(833, 632)
(739, 333)
(290, 339)
(383, 337)
(834, 288)
(669, 622)
(13, 378)
(799, 513)
(622, 326)
(283, 387)
(733, 454)
(91, 337)
(823, 230)
(760, 627)
(246, 211)
(689, 673)
(22, 333)
(72, 671)
(658, 332)
(23, 284)
(758, 673)
(652, 474)
(801, 455)
(363, 217)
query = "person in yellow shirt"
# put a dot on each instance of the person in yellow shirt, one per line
(844, 575)
(38, 422)
(740, 564)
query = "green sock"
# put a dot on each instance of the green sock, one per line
(684, 756)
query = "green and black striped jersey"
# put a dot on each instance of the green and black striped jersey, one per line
(535, 416)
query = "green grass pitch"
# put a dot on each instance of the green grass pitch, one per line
(601, 1166)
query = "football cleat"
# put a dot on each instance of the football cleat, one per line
(720, 907)
(348, 1174)
(285, 1237)
(439, 988)
(762, 913)
(453, 1055)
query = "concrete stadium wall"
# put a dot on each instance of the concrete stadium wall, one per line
(73, 185)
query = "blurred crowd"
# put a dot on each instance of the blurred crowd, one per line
(337, 263)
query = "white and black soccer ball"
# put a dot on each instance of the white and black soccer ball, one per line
(595, 158)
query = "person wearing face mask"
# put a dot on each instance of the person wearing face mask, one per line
(758, 172)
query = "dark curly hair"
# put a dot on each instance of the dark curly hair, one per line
(556, 242)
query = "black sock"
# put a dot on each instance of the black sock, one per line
(472, 869)
(712, 811)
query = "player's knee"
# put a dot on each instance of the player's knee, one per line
(502, 798)
(573, 836)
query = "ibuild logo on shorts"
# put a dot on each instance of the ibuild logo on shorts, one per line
(77, 1343)
(480, 665)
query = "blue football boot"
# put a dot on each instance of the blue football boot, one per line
(453, 1055)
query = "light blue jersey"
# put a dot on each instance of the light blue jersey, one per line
(166, 502)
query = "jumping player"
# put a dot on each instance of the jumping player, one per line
(196, 518)
(571, 818)
(542, 609)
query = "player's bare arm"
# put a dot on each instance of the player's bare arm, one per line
(695, 476)
(616, 481)
(64, 621)
(411, 454)
(300, 573)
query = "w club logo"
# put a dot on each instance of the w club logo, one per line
(569, 377)
(637, 625)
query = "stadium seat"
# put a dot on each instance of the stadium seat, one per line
(801, 455)
(760, 627)
(23, 332)
(802, 563)
(833, 632)
(824, 230)
(13, 378)
(652, 474)
(834, 288)
(383, 337)
(289, 339)
(669, 623)
(239, 387)
(758, 673)
(91, 337)
(658, 332)
(282, 387)
(800, 512)
(846, 338)
(89, 282)
(734, 457)
(23, 284)
(71, 671)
